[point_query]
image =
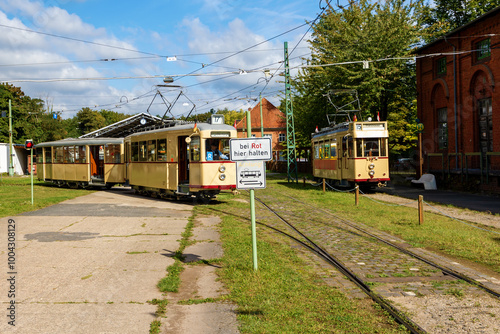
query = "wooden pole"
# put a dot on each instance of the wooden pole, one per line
(324, 186)
(420, 157)
(357, 195)
(420, 209)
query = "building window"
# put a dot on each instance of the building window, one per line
(442, 114)
(483, 49)
(441, 66)
(282, 137)
(485, 125)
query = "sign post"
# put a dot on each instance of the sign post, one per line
(250, 154)
(29, 146)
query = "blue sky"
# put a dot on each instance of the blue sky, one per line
(75, 38)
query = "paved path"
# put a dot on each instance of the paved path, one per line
(89, 265)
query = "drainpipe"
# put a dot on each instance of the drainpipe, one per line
(455, 100)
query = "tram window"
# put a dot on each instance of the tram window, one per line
(359, 147)
(162, 150)
(321, 153)
(113, 154)
(383, 145)
(39, 155)
(333, 149)
(316, 151)
(135, 152)
(217, 149)
(194, 148)
(327, 150)
(48, 154)
(143, 151)
(151, 150)
(371, 147)
(69, 152)
(82, 154)
(77, 154)
(58, 155)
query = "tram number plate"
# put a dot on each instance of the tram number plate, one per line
(250, 175)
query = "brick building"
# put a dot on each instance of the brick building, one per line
(273, 125)
(459, 104)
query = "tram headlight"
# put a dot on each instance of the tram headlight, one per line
(371, 166)
(371, 173)
(222, 168)
(222, 177)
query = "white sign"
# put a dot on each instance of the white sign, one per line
(244, 149)
(250, 174)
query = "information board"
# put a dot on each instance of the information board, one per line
(245, 149)
(250, 174)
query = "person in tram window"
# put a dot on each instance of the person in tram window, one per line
(216, 153)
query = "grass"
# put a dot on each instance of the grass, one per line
(15, 195)
(438, 233)
(284, 295)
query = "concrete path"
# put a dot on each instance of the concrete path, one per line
(89, 265)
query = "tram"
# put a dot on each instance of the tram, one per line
(184, 160)
(352, 153)
(81, 162)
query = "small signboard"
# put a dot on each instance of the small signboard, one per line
(250, 175)
(245, 149)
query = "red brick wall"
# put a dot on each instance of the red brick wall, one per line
(475, 79)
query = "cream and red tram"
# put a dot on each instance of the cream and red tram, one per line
(352, 153)
(181, 161)
(81, 162)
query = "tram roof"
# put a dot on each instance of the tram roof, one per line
(81, 142)
(183, 127)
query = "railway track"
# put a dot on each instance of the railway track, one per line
(381, 267)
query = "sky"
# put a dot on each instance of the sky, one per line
(115, 55)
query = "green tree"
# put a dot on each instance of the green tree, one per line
(112, 116)
(447, 15)
(27, 114)
(382, 34)
(90, 120)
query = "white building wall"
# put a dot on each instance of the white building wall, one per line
(19, 166)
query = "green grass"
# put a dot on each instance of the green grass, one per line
(284, 295)
(15, 195)
(437, 233)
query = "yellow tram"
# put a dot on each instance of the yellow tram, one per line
(352, 153)
(81, 162)
(183, 160)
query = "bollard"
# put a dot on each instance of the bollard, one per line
(324, 189)
(420, 209)
(357, 195)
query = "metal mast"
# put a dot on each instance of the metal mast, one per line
(290, 128)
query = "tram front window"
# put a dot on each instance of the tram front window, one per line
(371, 147)
(217, 149)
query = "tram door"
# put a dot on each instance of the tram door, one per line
(97, 162)
(183, 160)
(345, 161)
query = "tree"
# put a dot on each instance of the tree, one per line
(383, 34)
(112, 116)
(27, 114)
(89, 120)
(451, 14)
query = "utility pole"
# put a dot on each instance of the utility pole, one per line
(261, 120)
(290, 127)
(11, 152)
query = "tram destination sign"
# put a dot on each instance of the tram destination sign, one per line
(245, 149)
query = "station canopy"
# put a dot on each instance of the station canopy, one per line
(137, 123)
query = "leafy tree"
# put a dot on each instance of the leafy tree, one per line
(112, 116)
(451, 14)
(90, 120)
(382, 33)
(27, 114)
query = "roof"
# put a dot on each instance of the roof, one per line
(492, 12)
(273, 118)
(81, 141)
(128, 126)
